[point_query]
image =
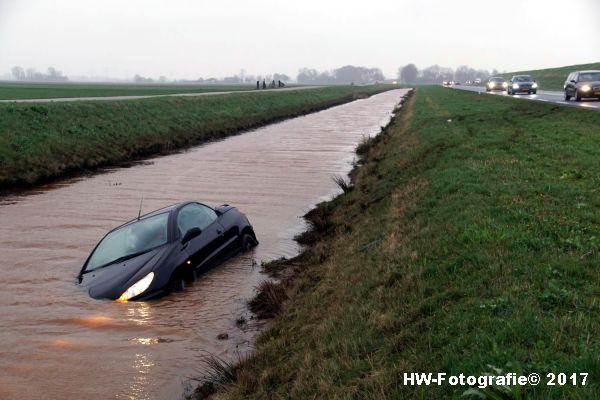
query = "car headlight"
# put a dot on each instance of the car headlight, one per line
(586, 88)
(491, 84)
(515, 85)
(137, 288)
(534, 85)
(504, 84)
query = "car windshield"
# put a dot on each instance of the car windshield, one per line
(523, 78)
(129, 241)
(589, 76)
(497, 80)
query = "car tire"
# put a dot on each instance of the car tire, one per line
(247, 242)
(577, 96)
(533, 92)
(567, 97)
(177, 283)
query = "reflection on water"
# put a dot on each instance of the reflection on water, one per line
(56, 341)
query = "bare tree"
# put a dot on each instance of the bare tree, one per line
(18, 73)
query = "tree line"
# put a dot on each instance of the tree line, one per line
(410, 74)
(30, 74)
(347, 74)
(343, 75)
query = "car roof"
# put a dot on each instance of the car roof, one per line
(588, 71)
(166, 209)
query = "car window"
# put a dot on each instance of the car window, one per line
(523, 78)
(195, 216)
(135, 238)
(589, 76)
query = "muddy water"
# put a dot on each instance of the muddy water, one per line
(56, 342)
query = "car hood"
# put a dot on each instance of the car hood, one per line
(111, 281)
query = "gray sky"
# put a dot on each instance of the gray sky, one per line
(192, 38)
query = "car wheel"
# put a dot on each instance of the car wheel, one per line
(533, 92)
(567, 97)
(177, 283)
(248, 242)
(577, 96)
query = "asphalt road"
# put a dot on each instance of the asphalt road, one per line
(112, 98)
(542, 95)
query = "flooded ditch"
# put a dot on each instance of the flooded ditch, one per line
(56, 342)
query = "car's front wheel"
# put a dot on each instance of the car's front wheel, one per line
(567, 97)
(577, 96)
(248, 242)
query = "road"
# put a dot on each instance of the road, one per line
(542, 95)
(118, 98)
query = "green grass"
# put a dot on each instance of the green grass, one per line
(24, 90)
(553, 78)
(470, 238)
(47, 140)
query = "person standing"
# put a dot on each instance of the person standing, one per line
(257, 85)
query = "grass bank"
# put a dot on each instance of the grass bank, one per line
(32, 90)
(48, 140)
(553, 78)
(469, 241)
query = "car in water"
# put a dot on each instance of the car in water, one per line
(522, 84)
(496, 83)
(160, 251)
(582, 84)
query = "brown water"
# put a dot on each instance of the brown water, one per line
(57, 343)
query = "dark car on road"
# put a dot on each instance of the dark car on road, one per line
(582, 84)
(161, 251)
(496, 83)
(522, 84)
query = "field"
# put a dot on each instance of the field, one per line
(553, 78)
(40, 141)
(24, 90)
(468, 243)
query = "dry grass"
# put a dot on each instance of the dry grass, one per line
(269, 299)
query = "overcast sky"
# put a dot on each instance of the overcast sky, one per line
(193, 38)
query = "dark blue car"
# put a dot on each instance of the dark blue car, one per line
(161, 251)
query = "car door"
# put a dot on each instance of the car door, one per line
(202, 248)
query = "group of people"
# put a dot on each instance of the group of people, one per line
(271, 85)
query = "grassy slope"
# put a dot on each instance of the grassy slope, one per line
(25, 90)
(39, 141)
(553, 78)
(462, 244)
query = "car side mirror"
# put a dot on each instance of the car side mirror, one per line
(190, 234)
(572, 80)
